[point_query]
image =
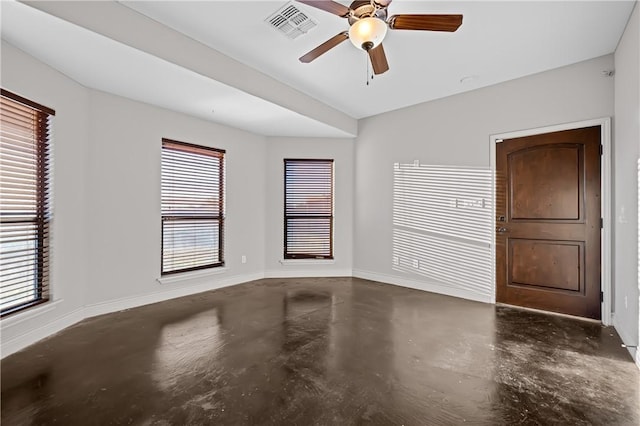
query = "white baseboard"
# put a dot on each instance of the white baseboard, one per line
(622, 332)
(422, 285)
(307, 273)
(8, 347)
(627, 340)
(160, 296)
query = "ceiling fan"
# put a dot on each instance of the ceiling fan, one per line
(369, 20)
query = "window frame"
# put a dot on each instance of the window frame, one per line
(42, 219)
(195, 149)
(309, 256)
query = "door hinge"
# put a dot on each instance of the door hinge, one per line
(601, 149)
(601, 223)
(601, 297)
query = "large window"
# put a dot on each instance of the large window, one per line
(308, 209)
(24, 203)
(192, 207)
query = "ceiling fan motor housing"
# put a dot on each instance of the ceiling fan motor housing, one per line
(368, 25)
(365, 9)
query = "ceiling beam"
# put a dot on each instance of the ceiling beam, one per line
(129, 27)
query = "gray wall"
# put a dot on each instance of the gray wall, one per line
(627, 138)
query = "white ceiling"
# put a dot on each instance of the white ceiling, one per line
(101, 63)
(497, 41)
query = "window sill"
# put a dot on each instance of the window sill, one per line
(169, 279)
(290, 262)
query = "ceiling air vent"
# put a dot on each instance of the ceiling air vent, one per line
(291, 21)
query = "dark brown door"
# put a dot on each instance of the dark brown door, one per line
(548, 222)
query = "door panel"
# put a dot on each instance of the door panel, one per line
(551, 190)
(549, 264)
(548, 222)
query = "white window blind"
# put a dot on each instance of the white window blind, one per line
(192, 207)
(24, 202)
(308, 209)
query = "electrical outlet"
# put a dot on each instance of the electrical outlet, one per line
(626, 305)
(244, 259)
(416, 263)
(396, 260)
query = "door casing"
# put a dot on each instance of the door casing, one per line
(605, 208)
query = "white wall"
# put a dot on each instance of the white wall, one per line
(124, 200)
(340, 150)
(455, 131)
(25, 76)
(106, 229)
(106, 233)
(627, 138)
(107, 194)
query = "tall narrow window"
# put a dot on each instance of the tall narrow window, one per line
(24, 203)
(192, 207)
(308, 209)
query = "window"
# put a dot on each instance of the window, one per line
(24, 203)
(308, 209)
(192, 207)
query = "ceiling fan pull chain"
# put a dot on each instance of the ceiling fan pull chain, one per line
(367, 70)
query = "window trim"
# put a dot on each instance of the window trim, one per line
(43, 217)
(308, 256)
(196, 149)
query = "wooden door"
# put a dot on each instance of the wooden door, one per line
(548, 222)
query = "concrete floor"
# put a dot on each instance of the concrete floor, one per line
(323, 351)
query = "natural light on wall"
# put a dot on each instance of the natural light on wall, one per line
(442, 225)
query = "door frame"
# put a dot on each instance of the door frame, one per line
(605, 206)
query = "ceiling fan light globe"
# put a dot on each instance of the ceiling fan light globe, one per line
(367, 33)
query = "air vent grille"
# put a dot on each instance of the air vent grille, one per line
(291, 21)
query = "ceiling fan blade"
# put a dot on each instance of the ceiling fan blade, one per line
(378, 60)
(448, 23)
(324, 47)
(328, 6)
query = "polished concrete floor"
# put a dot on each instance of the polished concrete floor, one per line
(337, 351)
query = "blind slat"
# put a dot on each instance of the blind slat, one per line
(24, 203)
(192, 206)
(308, 209)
